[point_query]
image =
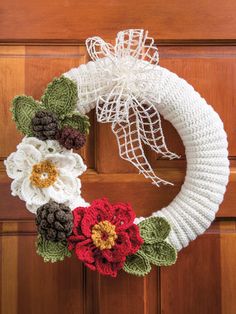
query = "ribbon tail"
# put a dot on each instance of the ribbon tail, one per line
(130, 147)
(113, 106)
(151, 133)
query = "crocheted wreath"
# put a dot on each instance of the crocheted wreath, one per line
(129, 90)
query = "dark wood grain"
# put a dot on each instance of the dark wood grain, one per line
(202, 280)
(73, 20)
(31, 286)
(42, 39)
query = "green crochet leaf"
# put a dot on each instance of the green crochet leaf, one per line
(154, 229)
(160, 253)
(60, 96)
(52, 251)
(137, 264)
(77, 121)
(23, 110)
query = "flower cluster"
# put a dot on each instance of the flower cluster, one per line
(104, 235)
(53, 117)
(44, 171)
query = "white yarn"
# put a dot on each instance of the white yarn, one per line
(202, 133)
(199, 126)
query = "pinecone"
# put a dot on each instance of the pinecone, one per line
(54, 221)
(45, 125)
(71, 138)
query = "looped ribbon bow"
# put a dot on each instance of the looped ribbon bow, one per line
(135, 120)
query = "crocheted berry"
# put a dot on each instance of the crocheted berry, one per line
(71, 138)
(44, 125)
(54, 221)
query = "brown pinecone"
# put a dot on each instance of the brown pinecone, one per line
(45, 125)
(71, 138)
(54, 221)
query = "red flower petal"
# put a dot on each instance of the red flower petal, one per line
(71, 246)
(103, 209)
(135, 238)
(78, 214)
(88, 221)
(85, 253)
(107, 261)
(86, 242)
(123, 216)
(90, 266)
(98, 211)
(106, 268)
(120, 250)
(72, 240)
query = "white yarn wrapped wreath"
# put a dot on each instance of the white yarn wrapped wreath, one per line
(128, 75)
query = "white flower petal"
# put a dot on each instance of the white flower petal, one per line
(33, 195)
(69, 165)
(26, 156)
(32, 208)
(53, 147)
(62, 162)
(77, 201)
(38, 144)
(80, 166)
(78, 184)
(16, 187)
(12, 170)
(62, 190)
(45, 147)
(57, 195)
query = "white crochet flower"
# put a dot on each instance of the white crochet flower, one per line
(44, 171)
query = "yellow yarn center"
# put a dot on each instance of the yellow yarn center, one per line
(104, 235)
(44, 174)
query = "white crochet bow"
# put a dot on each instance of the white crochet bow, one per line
(135, 120)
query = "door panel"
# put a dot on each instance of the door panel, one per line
(39, 41)
(203, 280)
(205, 271)
(73, 20)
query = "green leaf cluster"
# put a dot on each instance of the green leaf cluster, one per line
(60, 98)
(155, 249)
(52, 251)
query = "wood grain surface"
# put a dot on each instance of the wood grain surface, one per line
(73, 20)
(40, 40)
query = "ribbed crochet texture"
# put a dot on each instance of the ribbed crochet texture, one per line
(203, 135)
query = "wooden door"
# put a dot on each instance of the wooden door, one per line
(42, 39)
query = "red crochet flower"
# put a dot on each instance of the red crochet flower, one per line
(103, 235)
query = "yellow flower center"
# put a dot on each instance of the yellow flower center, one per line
(44, 174)
(104, 235)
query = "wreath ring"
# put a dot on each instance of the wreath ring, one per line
(129, 90)
(199, 126)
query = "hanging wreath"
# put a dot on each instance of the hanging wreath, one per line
(128, 89)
